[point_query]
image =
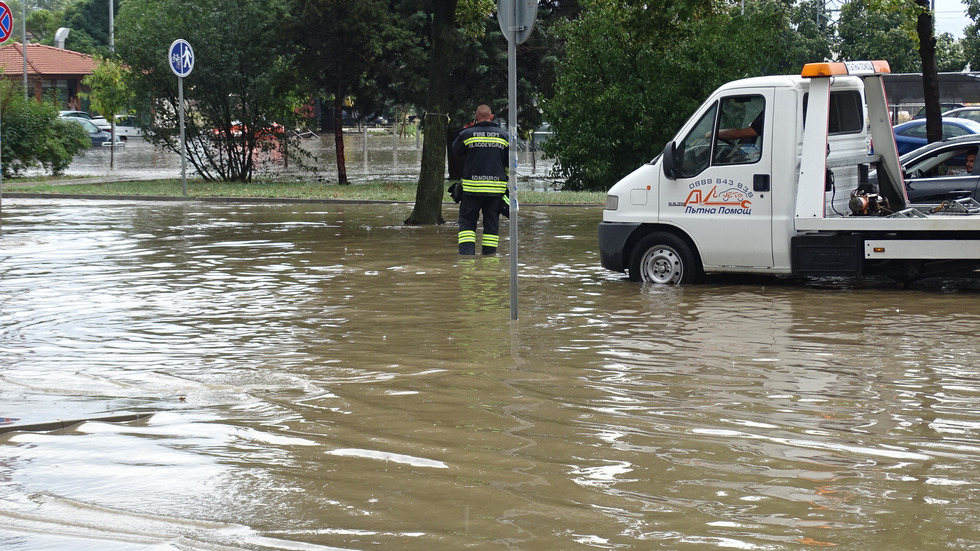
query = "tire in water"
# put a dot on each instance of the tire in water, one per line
(664, 259)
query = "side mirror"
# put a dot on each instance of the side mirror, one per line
(669, 160)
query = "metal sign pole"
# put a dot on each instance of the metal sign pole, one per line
(183, 144)
(1, 175)
(512, 173)
(6, 29)
(181, 60)
(516, 18)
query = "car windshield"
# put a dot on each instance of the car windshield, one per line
(88, 126)
(972, 114)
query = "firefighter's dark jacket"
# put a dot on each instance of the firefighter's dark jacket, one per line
(485, 146)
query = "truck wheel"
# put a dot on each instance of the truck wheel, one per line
(663, 258)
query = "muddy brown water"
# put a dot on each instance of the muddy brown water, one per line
(324, 377)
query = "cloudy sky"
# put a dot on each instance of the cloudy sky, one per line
(951, 17)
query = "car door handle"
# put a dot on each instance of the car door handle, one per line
(760, 182)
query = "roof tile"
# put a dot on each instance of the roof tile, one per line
(44, 60)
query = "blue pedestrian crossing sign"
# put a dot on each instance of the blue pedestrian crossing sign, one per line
(181, 57)
(6, 22)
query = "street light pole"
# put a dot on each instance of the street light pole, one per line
(112, 47)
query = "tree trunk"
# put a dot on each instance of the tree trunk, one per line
(338, 138)
(930, 73)
(432, 176)
(112, 142)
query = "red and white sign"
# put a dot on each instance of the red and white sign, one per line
(6, 22)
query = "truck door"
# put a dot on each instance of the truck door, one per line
(722, 185)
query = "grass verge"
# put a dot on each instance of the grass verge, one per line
(374, 191)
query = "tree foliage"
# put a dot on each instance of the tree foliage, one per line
(432, 175)
(624, 89)
(109, 94)
(242, 88)
(342, 45)
(868, 32)
(34, 135)
(971, 39)
(89, 24)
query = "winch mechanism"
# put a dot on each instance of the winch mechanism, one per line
(865, 201)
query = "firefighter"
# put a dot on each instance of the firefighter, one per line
(485, 173)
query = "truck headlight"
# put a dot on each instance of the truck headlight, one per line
(612, 202)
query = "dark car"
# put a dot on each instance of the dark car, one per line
(943, 108)
(97, 136)
(937, 172)
(911, 135)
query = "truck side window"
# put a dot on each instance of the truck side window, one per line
(740, 129)
(846, 112)
(694, 151)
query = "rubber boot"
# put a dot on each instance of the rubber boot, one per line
(489, 250)
(467, 248)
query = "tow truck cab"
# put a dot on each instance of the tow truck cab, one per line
(770, 175)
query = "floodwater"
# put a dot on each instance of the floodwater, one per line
(322, 377)
(369, 156)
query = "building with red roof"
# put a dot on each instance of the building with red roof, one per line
(50, 72)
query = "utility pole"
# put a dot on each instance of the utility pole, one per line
(23, 43)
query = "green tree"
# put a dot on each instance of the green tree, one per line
(34, 135)
(625, 86)
(42, 24)
(467, 65)
(971, 38)
(89, 24)
(950, 55)
(432, 175)
(109, 94)
(866, 31)
(241, 93)
(808, 37)
(341, 46)
(920, 50)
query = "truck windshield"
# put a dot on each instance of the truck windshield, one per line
(731, 136)
(694, 151)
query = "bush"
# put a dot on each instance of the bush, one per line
(34, 135)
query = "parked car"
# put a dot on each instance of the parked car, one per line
(911, 135)
(81, 115)
(98, 137)
(125, 127)
(972, 113)
(937, 172)
(943, 108)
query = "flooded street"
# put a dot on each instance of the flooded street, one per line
(321, 377)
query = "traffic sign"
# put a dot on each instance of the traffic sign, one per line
(516, 18)
(6, 22)
(181, 57)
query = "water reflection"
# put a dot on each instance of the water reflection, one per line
(324, 377)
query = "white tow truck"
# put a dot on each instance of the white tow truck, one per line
(770, 176)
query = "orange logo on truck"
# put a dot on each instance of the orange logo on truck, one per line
(729, 201)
